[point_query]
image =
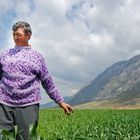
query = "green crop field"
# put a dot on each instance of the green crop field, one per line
(90, 125)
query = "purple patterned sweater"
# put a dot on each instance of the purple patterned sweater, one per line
(21, 71)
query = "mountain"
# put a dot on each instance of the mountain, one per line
(53, 104)
(119, 83)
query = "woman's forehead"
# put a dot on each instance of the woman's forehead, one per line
(21, 30)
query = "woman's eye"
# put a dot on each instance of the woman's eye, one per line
(17, 34)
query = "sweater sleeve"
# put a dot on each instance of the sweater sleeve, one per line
(48, 83)
(1, 72)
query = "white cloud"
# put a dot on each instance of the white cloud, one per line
(79, 38)
(74, 60)
(5, 6)
(22, 8)
(5, 16)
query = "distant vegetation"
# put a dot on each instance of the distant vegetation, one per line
(90, 125)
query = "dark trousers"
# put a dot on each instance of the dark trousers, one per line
(20, 116)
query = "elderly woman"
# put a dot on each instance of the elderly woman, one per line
(21, 70)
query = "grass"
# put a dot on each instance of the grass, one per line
(84, 125)
(12, 135)
(90, 125)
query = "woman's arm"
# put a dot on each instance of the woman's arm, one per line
(52, 91)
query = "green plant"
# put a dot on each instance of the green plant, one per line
(33, 133)
(90, 125)
(11, 135)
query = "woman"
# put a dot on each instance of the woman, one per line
(22, 69)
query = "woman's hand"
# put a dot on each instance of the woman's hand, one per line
(66, 107)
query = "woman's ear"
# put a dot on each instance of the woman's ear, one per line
(29, 35)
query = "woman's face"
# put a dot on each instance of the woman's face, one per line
(20, 38)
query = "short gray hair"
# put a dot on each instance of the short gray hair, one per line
(22, 24)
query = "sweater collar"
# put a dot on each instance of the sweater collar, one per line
(22, 47)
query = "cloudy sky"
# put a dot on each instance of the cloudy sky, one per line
(78, 38)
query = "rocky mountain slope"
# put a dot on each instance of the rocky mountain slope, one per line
(120, 82)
